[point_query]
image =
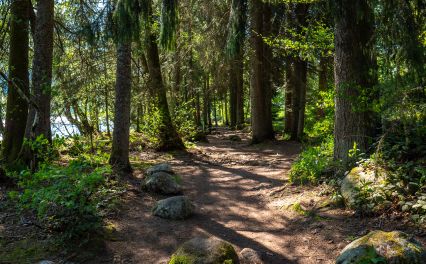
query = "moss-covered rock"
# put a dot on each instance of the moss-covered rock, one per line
(383, 247)
(205, 251)
(162, 167)
(162, 183)
(176, 208)
(250, 256)
(364, 176)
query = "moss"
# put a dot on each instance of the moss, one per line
(181, 259)
(24, 251)
(177, 178)
(228, 254)
(385, 246)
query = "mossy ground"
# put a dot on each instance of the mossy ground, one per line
(25, 250)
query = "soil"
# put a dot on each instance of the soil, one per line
(243, 196)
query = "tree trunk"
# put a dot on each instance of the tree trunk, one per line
(354, 77)
(289, 88)
(302, 68)
(120, 141)
(17, 106)
(261, 117)
(42, 66)
(323, 81)
(169, 138)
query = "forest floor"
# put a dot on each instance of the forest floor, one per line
(242, 195)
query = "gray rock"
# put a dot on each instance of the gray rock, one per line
(161, 182)
(388, 247)
(358, 176)
(205, 251)
(176, 208)
(162, 167)
(46, 262)
(250, 256)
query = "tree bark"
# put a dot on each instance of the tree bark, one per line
(42, 66)
(261, 91)
(120, 141)
(289, 88)
(169, 138)
(322, 81)
(17, 106)
(354, 77)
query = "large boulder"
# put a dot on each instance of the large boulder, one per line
(162, 167)
(205, 251)
(176, 208)
(365, 175)
(161, 182)
(383, 247)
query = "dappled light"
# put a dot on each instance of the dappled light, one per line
(212, 132)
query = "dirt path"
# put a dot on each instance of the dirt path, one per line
(241, 196)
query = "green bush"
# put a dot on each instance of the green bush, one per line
(65, 199)
(313, 163)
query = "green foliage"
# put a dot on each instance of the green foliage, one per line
(43, 150)
(313, 41)
(317, 128)
(181, 259)
(236, 28)
(313, 163)
(183, 118)
(65, 199)
(169, 22)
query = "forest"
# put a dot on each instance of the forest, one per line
(213, 131)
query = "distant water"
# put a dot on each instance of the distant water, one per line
(62, 127)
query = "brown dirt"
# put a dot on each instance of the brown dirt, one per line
(242, 195)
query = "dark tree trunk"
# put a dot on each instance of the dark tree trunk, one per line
(301, 67)
(354, 77)
(17, 106)
(289, 88)
(120, 141)
(261, 91)
(233, 95)
(226, 111)
(324, 76)
(198, 109)
(205, 104)
(42, 66)
(296, 79)
(169, 138)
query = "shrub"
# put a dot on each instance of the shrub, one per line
(65, 199)
(313, 163)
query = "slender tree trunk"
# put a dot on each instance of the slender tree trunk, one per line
(138, 118)
(289, 88)
(17, 106)
(240, 92)
(215, 111)
(120, 141)
(302, 69)
(354, 77)
(261, 117)
(205, 105)
(233, 94)
(226, 111)
(169, 138)
(198, 109)
(322, 81)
